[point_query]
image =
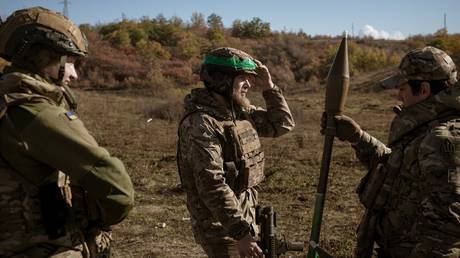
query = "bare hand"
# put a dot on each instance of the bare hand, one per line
(247, 247)
(263, 77)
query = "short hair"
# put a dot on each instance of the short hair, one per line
(37, 57)
(435, 86)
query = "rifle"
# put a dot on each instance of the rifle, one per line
(271, 245)
(336, 93)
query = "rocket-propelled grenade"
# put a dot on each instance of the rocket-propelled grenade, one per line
(338, 81)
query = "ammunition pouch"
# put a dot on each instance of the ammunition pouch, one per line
(252, 171)
(55, 210)
(32, 216)
(365, 235)
(87, 216)
(243, 158)
(370, 187)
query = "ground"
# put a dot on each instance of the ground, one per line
(159, 225)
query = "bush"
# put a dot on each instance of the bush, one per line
(255, 28)
(106, 67)
(169, 108)
(166, 51)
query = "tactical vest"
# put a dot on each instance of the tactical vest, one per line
(31, 215)
(376, 190)
(243, 157)
(376, 187)
(55, 214)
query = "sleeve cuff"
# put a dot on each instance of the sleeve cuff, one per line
(239, 230)
(275, 89)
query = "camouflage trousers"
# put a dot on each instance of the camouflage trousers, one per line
(45, 250)
(222, 250)
(420, 251)
(98, 247)
(425, 246)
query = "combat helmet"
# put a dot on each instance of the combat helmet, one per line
(221, 65)
(27, 27)
(428, 64)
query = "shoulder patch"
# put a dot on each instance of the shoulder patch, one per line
(71, 115)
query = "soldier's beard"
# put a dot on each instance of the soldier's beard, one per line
(241, 100)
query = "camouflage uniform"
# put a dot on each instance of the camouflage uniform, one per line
(221, 212)
(59, 190)
(412, 192)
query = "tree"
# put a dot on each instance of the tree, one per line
(120, 38)
(167, 32)
(197, 22)
(215, 22)
(255, 28)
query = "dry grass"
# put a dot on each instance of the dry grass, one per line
(119, 122)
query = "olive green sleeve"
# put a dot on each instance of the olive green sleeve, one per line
(61, 141)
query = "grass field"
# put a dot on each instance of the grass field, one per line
(159, 225)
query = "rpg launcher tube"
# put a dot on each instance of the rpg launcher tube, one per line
(336, 93)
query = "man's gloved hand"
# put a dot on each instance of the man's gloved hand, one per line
(247, 247)
(346, 129)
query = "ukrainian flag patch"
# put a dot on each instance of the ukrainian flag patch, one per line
(71, 115)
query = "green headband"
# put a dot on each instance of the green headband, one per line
(233, 62)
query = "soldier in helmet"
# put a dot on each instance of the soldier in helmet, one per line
(220, 159)
(412, 190)
(59, 190)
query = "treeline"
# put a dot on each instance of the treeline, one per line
(160, 52)
(168, 51)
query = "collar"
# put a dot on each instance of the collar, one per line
(410, 118)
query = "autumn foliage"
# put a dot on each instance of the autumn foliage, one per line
(162, 53)
(167, 52)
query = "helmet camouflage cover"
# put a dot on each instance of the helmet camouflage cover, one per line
(37, 25)
(428, 64)
(230, 60)
(220, 65)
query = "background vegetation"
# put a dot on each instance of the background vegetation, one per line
(166, 52)
(162, 53)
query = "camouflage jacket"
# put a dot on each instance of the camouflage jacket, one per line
(39, 138)
(216, 211)
(419, 202)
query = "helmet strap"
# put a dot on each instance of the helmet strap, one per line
(68, 94)
(69, 97)
(61, 72)
(229, 97)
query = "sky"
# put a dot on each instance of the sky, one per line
(391, 19)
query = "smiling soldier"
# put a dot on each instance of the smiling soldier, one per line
(219, 154)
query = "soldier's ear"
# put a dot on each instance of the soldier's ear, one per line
(425, 89)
